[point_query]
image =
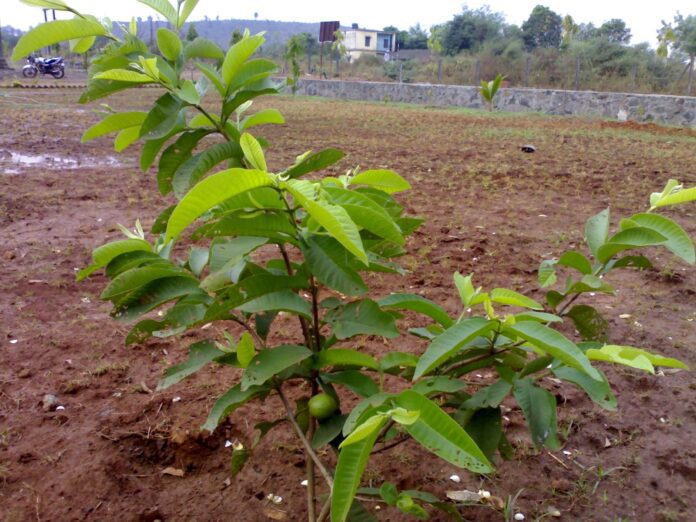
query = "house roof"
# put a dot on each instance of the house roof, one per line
(367, 30)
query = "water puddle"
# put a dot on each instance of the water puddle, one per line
(17, 160)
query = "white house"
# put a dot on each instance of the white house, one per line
(368, 41)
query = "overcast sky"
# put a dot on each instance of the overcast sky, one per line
(642, 17)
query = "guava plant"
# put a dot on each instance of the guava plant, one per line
(240, 245)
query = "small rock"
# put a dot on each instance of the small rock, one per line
(455, 478)
(49, 402)
(519, 516)
(9, 255)
(24, 373)
(553, 511)
(528, 148)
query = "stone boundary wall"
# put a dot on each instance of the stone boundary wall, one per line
(671, 110)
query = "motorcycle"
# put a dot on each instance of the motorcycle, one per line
(35, 65)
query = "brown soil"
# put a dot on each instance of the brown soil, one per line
(490, 209)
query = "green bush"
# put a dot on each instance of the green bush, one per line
(318, 238)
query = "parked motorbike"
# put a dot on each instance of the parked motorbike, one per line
(35, 65)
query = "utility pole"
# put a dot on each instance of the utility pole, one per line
(577, 72)
(45, 12)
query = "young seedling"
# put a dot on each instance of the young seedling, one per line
(488, 90)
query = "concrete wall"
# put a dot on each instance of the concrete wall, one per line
(672, 110)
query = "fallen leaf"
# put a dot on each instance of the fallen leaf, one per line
(274, 514)
(463, 495)
(174, 472)
(495, 502)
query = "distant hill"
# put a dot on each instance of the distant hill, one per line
(220, 31)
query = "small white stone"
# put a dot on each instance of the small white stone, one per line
(60, 408)
(543, 215)
(228, 443)
(304, 483)
(625, 316)
(567, 453)
(86, 300)
(14, 341)
(484, 494)
(519, 516)
(455, 478)
(176, 399)
(663, 420)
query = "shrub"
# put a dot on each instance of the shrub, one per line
(318, 238)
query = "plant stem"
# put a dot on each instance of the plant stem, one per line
(307, 446)
(324, 510)
(249, 329)
(303, 322)
(218, 127)
(315, 314)
(311, 486)
(390, 446)
(481, 357)
(565, 306)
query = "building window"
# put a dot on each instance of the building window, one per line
(367, 41)
(386, 43)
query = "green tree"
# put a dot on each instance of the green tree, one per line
(615, 30)
(680, 36)
(311, 46)
(338, 49)
(570, 30)
(235, 37)
(191, 34)
(416, 38)
(543, 28)
(435, 44)
(294, 50)
(470, 29)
